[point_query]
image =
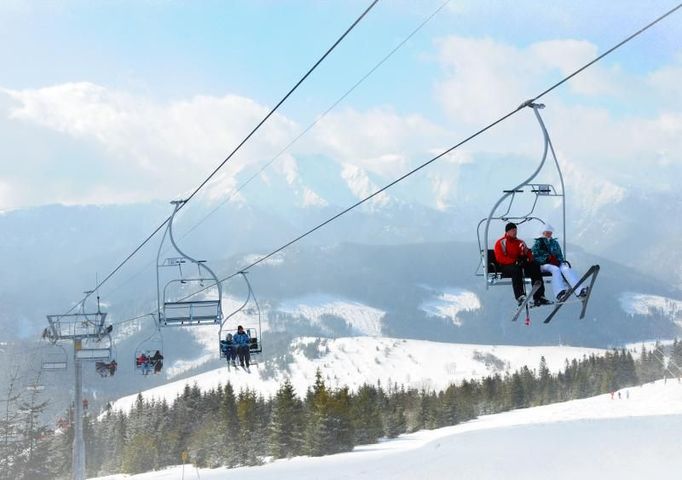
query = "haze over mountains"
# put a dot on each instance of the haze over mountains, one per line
(391, 268)
(392, 257)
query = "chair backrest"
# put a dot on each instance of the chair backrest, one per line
(254, 346)
(493, 266)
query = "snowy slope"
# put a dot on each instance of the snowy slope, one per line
(643, 304)
(449, 303)
(362, 319)
(595, 438)
(357, 360)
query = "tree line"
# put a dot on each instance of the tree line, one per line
(221, 427)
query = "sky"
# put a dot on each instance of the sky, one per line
(135, 101)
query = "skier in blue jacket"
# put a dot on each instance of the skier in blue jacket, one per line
(242, 341)
(229, 349)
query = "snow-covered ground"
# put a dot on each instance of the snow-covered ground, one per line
(636, 436)
(361, 319)
(449, 303)
(643, 304)
(354, 361)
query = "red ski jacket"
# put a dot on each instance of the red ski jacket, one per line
(508, 250)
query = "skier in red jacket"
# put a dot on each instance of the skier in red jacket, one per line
(516, 260)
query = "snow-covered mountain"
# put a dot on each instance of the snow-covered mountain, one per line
(590, 439)
(53, 253)
(321, 287)
(355, 361)
(648, 305)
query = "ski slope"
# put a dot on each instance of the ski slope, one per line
(361, 319)
(354, 361)
(590, 439)
(449, 303)
(644, 304)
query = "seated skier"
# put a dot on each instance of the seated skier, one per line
(547, 252)
(516, 260)
(157, 361)
(229, 349)
(243, 341)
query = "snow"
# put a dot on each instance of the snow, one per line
(449, 303)
(644, 304)
(354, 361)
(588, 439)
(362, 319)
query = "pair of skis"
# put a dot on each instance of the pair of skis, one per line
(230, 366)
(589, 277)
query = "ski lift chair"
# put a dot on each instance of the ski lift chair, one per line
(146, 350)
(504, 211)
(94, 349)
(251, 310)
(53, 357)
(177, 307)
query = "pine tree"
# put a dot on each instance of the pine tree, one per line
(516, 390)
(341, 426)
(229, 424)
(395, 422)
(30, 453)
(544, 393)
(467, 400)
(111, 437)
(429, 411)
(60, 448)
(249, 433)
(393, 412)
(136, 453)
(318, 434)
(676, 358)
(9, 427)
(170, 442)
(286, 424)
(366, 415)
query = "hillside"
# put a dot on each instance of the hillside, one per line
(357, 360)
(590, 439)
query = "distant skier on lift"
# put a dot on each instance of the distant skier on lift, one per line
(242, 341)
(516, 260)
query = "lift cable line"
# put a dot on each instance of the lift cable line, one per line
(274, 109)
(446, 152)
(305, 131)
(321, 116)
(525, 104)
(237, 148)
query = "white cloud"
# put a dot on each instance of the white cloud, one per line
(666, 82)
(566, 56)
(173, 145)
(602, 148)
(170, 146)
(378, 140)
(485, 78)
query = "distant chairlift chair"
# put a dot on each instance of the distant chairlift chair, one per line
(178, 305)
(250, 310)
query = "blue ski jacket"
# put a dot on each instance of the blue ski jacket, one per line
(226, 346)
(241, 339)
(544, 248)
